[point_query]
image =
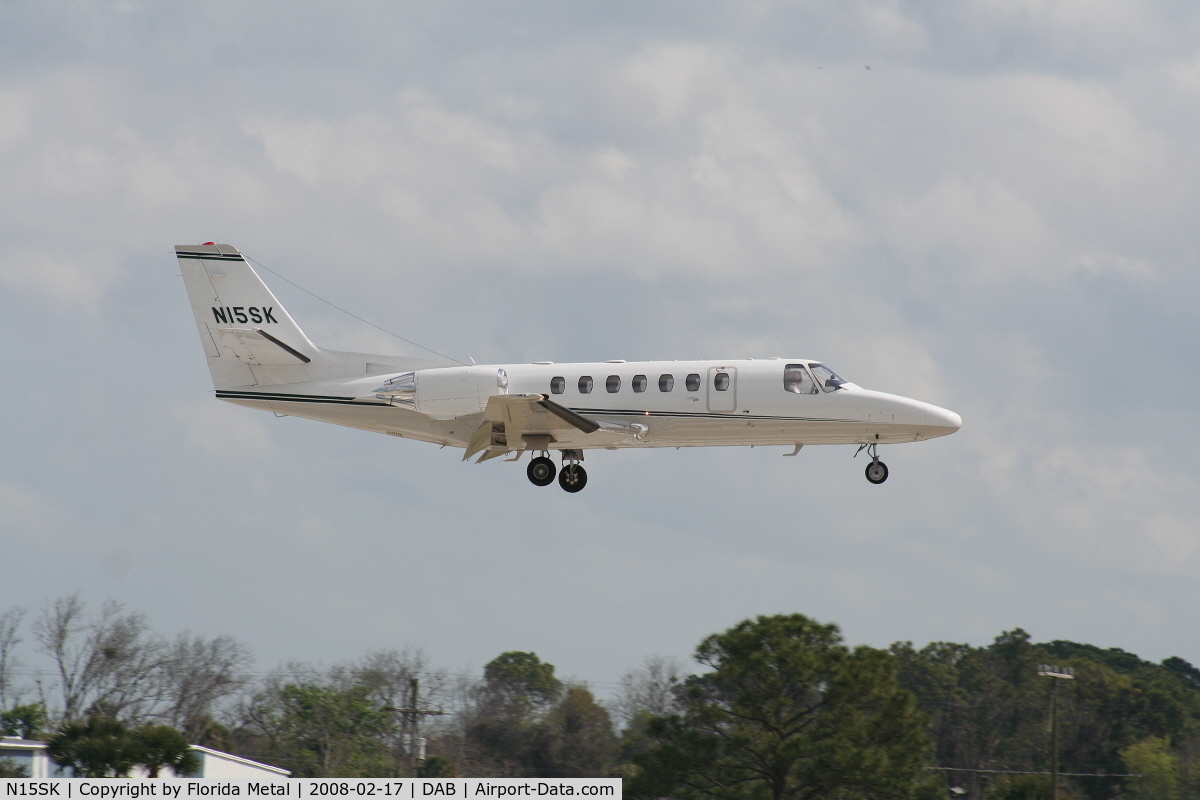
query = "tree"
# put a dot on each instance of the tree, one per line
(159, 746)
(24, 721)
(98, 748)
(575, 740)
(652, 689)
(1154, 759)
(521, 678)
(10, 624)
(108, 665)
(197, 674)
(786, 712)
(320, 727)
(10, 769)
(436, 767)
(502, 718)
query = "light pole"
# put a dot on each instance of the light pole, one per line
(1058, 673)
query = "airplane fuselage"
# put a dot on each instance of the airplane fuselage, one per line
(678, 403)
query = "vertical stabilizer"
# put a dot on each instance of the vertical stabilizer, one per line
(247, 335)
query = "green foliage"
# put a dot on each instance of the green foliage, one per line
(323, 730)
(1154, 759)
(98, 748)
(159, 746)
(105, 748)
(523, 723)
(25, 721)
(9, 769)
(576, 739)
(523, 678)
(436, 767)
(1020, 787)
(989, 709)
(787, 712)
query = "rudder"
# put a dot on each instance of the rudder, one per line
(247, 335)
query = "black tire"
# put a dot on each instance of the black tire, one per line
(541, 471)
(877, 472)
(572, 478)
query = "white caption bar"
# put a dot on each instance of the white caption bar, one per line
(408, 788)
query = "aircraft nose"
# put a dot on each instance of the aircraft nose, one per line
(943, 418)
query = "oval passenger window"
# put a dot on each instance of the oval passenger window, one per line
(585, 384)
(666, 382)
(613, 384)
(558, 385)
(693, 382)
(721, 382)
(639, 383)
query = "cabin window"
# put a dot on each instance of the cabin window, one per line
(721, 382)
(796, 379)
(639, 383)
(558, 385)
(613, 384)
(827, 378)
(693, 382)
(666, 382)
(585, 384)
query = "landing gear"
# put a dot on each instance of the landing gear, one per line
(541, 471)
(877, 471)
(572, 478)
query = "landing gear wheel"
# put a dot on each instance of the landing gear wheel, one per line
(572, 478)
(877, 472)
(541, 471)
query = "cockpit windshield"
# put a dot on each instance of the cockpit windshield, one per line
(827, 378)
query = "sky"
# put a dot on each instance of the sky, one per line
(988, 205)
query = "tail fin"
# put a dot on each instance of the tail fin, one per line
(247, 335)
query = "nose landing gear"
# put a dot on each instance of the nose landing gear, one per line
(877, 471)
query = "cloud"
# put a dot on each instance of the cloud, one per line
(27, 511)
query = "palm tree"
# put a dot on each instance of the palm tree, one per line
(158, 746)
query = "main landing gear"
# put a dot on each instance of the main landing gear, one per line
(541, 471)
(877, 471)
(572, 477)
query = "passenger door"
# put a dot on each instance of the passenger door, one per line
(722, 389)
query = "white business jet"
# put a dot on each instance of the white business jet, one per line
(260, 358)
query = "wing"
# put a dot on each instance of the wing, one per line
(533, 422)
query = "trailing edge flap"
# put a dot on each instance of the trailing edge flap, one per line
(524, 415)
(256, 346)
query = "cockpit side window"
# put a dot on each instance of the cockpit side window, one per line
(827, 378)
(796, 379)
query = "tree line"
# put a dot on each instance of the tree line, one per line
(775, 707)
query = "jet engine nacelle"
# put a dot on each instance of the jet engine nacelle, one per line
(445, 393)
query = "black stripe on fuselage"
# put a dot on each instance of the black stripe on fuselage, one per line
(704, 415)
(210, 256)
(226, 394)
